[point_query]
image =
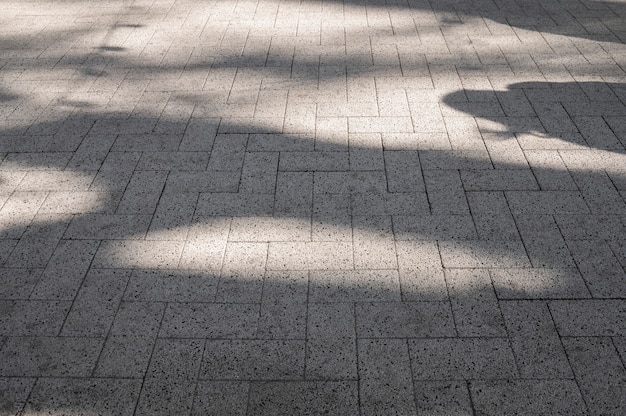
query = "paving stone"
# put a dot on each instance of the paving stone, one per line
(483, 254)
(217, 320)
(442, 398)
(404, 319)
(474, 303)
(253, 360)
(32, 318)
(170, 286)
(18, 283)
(303, 397)
(91, 395)
(226, 397)
(50, 356)
(385, 377)
(354, 286)
(539, 283)
(96, 304)
(599, 373)
(588, 318)
(527, 397)
(599, 267)
(364, 210)
(461, 358)
(125, 356)
(535, 342)
(15, 393)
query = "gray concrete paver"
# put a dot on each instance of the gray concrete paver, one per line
(338, 207)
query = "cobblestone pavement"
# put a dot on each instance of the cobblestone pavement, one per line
(283, 207)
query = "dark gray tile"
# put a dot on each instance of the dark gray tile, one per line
(253, 360)
(600, 374)
(171, 286)
(97, 302)
(219, 320)
(13, 394)
(84, 395)
(404, 319)
(306, 398)
(527, 397)
(589, 318)
(125, 356)
(221, 398)
(462, 358)
(331, 359)
(385, 377)
(535, 342)
(443, 398)
(27, 318)
(50, 356)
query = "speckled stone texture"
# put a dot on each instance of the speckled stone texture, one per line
(306, 207)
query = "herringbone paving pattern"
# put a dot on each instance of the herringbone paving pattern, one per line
(284, 207)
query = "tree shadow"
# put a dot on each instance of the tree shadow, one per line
(542, 114)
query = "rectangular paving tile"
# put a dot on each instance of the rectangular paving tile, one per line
(253, 360)
(539, 283)
(439, 398)
(535, 341)
(588, 318)
(14, 393)
(32, 318)
(527, 397)
(213, 397)
(599, 373)
(108, 226)
(171, 286)
(50, 356)
(354, 285)
(483, 254)
(304, 397)
(385, 377)
(474, 303)
(404, 319)
(218, 320)
(462, 358)
(90, 395)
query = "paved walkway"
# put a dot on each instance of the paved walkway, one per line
(277, 207)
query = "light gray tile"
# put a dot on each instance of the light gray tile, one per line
(18, 283)
(483, 254)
